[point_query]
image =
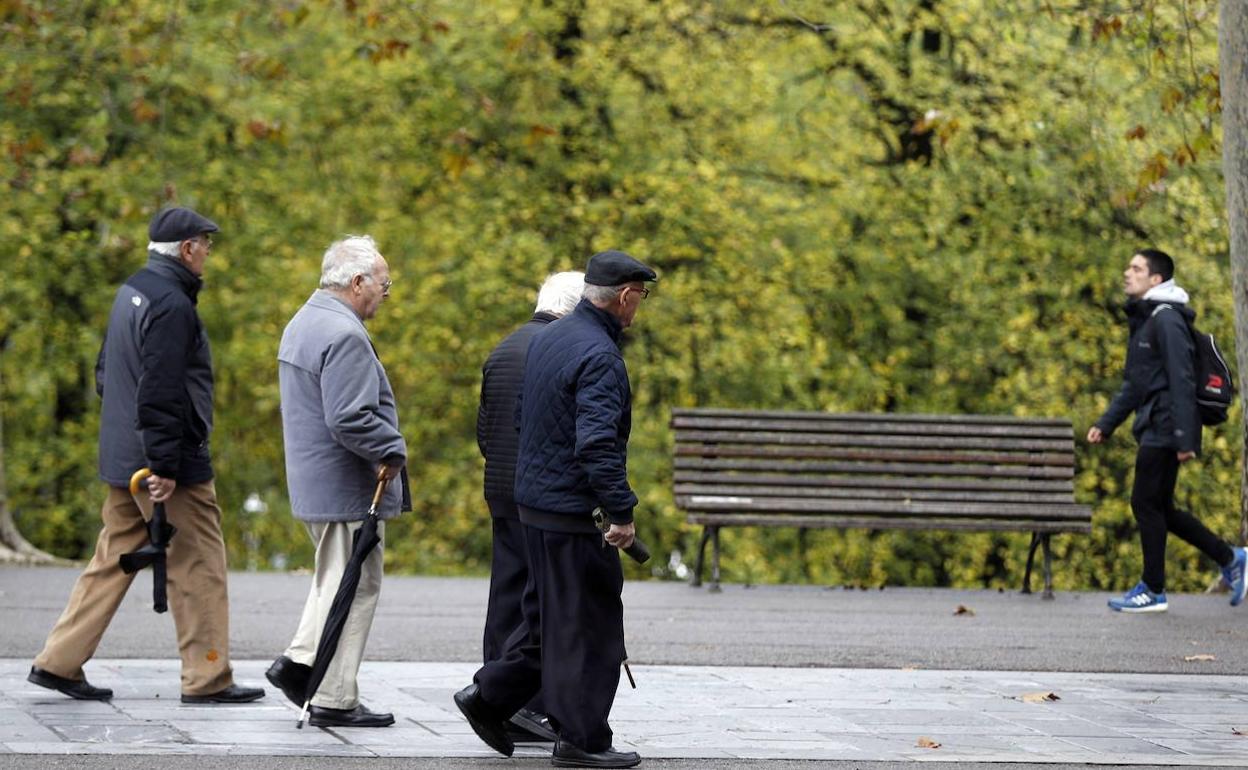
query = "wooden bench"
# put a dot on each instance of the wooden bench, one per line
(876, 471)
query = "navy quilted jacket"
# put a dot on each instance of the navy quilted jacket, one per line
(575, 417)
(502, 376)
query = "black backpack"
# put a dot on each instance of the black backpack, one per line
(1215, 388)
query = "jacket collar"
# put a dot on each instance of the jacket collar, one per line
(609, 323)
(544, 317)
(327, 300)
(168, 267)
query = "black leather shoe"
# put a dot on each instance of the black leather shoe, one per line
(485, 724)
(74, 688)
(567, 755)
(532, 727)
(231, 694)
(289, 677)
(320, 716)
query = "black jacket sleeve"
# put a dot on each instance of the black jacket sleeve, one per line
(161, 400)
(1126, 400)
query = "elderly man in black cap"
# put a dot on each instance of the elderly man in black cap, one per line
(154, 375)
(575, 417)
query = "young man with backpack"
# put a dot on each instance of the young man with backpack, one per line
(1160, 384)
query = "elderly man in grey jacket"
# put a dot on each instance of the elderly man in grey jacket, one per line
(341, 431)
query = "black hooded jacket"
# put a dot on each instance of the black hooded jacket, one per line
(1159, 382)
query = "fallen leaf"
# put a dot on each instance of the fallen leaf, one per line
(1237, 731)
(964, 610)
(1202, 656)
(909, 668)
(927, 743)
(1038, 697)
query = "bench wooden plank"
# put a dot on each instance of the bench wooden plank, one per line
(924, 428)
(869, 482)
(869, 493)
(891, 508)
(887, 440)
(895, 455)
(869, 522)
(779, 414)
(908, 469)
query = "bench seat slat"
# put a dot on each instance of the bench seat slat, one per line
(870, 482)
(777, 414)
(908, 469)
(925, 428)
(869, 522)
(684, 490)
(894, 455)
(885, 440)
(899, 508)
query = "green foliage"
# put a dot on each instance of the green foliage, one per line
(885, 206)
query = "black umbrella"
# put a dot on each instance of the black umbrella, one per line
(363, 542)
(159, 531)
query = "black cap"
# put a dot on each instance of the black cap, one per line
(612, 268)
(178, 224)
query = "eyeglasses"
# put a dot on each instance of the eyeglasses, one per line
(385, 285)
(644, 292)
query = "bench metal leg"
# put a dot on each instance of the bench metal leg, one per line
(1048, 567)
(714, 561)
(801, 552)
(1031, 558)
(697, 568)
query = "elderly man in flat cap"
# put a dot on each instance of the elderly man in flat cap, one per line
(575, 417)
(154, 375)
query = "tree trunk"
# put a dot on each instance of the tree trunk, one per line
(1233, 62)
(14, 549)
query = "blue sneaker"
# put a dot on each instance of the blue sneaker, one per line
(1140, 599)
(1234, 576)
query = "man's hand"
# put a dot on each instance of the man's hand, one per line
(1185, 456)
(1095, 436)
(620, 535)
(160, 488)
(388, 472)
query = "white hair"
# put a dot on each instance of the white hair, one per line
(600, 295)
(560, 293)
(347, 258)
(167, 248)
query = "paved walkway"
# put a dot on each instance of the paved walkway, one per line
(680, 712)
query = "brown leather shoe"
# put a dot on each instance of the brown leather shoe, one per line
(79, 689)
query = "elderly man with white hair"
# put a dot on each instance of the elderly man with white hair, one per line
(498, 437)
(341, 433)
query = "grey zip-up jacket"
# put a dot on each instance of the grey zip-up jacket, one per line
(339, 419)
(154, 373)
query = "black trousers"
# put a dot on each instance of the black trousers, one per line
(1152, 502)
(573, 641)
(509, 574)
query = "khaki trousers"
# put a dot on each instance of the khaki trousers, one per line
(339, 690)
(196, 582)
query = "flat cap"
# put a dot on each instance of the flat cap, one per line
(178, 224)
(612, 268)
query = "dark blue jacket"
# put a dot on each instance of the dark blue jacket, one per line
(502, 377)
(575, 417)
(1159, 383)
(154, 373)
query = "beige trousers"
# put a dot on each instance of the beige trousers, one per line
(198, 598)
(339, 690)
